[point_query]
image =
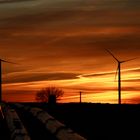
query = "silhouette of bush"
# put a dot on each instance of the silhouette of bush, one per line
(49, 94)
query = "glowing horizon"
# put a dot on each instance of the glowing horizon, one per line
(105, 90)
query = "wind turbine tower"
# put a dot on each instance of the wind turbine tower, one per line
(119, 73)
(1, 61)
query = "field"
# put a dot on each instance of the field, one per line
(92, 121)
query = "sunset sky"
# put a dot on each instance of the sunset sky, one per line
(62, 43)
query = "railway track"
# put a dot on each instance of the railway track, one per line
(36, 130)
(32, 122)
(18, 122)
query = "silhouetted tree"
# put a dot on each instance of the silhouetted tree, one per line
(49, 94)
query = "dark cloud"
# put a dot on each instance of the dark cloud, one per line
(92, 90)
(110, 73)
(97, 74)
(14, 1)
(136, 70)
(131, 80)
(101, 90)
(133, 100)
(33, 77)
(130, 88)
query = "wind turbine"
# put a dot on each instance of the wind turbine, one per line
(1, 61)
(119, 73)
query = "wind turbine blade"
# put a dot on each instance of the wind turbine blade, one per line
(116, 73)
(129, 60)
(112, 55)
(7, 61)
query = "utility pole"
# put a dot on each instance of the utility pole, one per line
(80, 97)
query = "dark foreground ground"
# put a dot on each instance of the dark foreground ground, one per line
(98, 121)
(4, 132)
(92, 121)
